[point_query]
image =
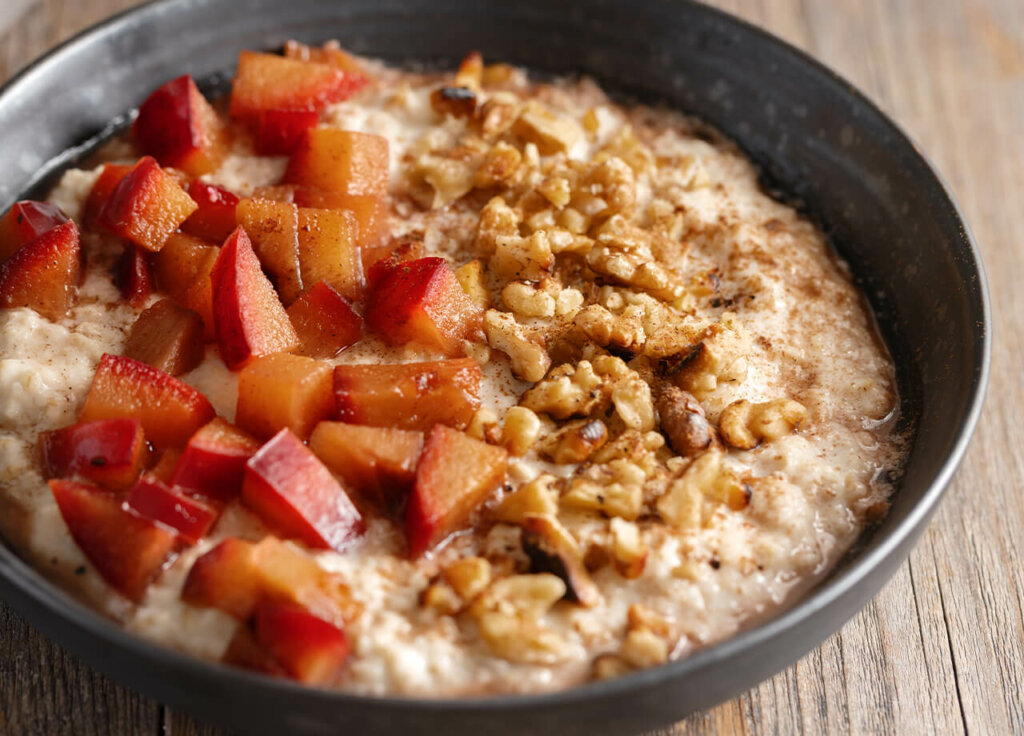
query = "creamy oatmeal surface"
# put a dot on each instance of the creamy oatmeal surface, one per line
(699, 413)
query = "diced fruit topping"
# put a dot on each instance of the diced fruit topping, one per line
(456, 474)
(324, 321)
(284, 390)
(43, 274)
(341, 161)
(370, 211)
(182, 270)
(170, 411)
(189, 517)
(102, 188)
(330, 53)
(244, 651)
(178, 127)
(308, 648)
(269, 82)
(146, 206)
(279, 132)
(421, 302)
(328, 252)
(377, 463)
(235, 576)
(288, 486)
(111, 452)
(166, 465)
(248, 317)
(168, 337)
(408, 395)
(213, 463)
(273, 228)
(395, 250)
(126, 550)
(26, 221)
(214, 218)
(134, 276)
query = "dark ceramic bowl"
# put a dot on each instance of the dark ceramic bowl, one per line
(817, 140)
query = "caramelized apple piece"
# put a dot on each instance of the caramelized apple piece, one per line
(328, 252)
(244, 651)
(43, 274)
(126, 550)
(269, 82)
(166, 465)
(248, 317)
(370, 211)
(26, 221)
(340, 161)
(324, 321)
(309, 649)
(182, 270)
(412, 396)
(421, 302)
(290, 489)
(146, 206)
(111, 452)
(330, 53)
(213, 463)
(167, 337)
(378, 463)
(102, 188)
(178, 127)
(284, 390)
(456, 474)
(214, 218)
(279, 132)
(393, 250)
(134, 276)
(152, 499)
(273, 228)
(170, 411)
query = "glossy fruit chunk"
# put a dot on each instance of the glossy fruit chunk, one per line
(166, 465)
(393, 250)
(330, 53)
(269, 82)
(341, 161)
(214, 218)
(110, 452)
(324, 321)
(235, 576)
(273, 228)
(152, 499)
(328, 251)
(178, 127)
(412, 396)
(308, 648)
(291, 490)
(279, 132)
(377, 463)
(182, 270)
(43, 274)
(284, 390)
(25, 221)
(369, 210)
(421, 302)
(456, 474)
(248, 317)
(126, 550)
(168, 337)
(213, 463)
(102, 188)
(170, 411)
(134, 276)
(146, 206)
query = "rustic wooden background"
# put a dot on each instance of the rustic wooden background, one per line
(941, 649)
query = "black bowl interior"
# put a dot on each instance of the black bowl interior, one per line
(816, 140)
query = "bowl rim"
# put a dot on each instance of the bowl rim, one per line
(32, 590)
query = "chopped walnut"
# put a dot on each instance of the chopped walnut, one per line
(536, 497)
(623, 330)
(459, 102)
(744, 425)
(568, 391)
(441, 598)
(705, 479)
(484, 420)
(500, 166)
(718, 356)
(449, 178)
(530, 360)
(497, 219)
(575, 442)
(683, 421)
(468, 577)
(643, 648)
(613, 489)
(551, 548)
(608, 666)
(551, 133)
(629, 552)
(526, 300)
(517, 257)
(633, 403)
(509, 615)
(521, 429)
(471, 279)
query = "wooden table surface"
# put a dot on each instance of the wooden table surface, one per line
(941, 648)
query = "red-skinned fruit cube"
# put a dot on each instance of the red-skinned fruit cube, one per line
(340, 161)
(413, 396)
(43, 274)
(146, 206)
(248, 317)
(126, 550)
(394, 251)
(168, 337)
(102, 188)
(291, 490)
(164, 468)
(213, 463)
(190, 517)
(324, 321)
(214, 218)
(182, 270)
(170, 411)
(377, 463)
(421, 302)
(279, 132)
(178, 127)
(308, 648)
(26, 221)
(455, 475)
(110, 452)
(284, 390)
(273, 228)
(134, 276)
(269, 82)
(244, 651)
(328, 250)
(330, 53)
